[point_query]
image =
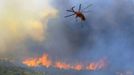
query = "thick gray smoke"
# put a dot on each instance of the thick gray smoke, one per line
(107, 32)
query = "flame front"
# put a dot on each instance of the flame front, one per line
(96, 65)
(34, 62)
(62, 65)
(31, 62)
(47, 62)
(44, 60)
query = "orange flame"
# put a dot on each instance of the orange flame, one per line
(78, 67)
(96, 65)
(34, 62)
(62, 65)
(46, 62)
(31, 62)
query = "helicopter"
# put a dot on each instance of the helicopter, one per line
(79, 13)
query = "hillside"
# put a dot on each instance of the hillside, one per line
(9, 68)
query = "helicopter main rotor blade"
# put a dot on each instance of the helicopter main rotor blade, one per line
(69, 10)
(69, 15)
(73, 8)
(79, 7)
(88, 6)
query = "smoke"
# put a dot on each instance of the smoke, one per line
(107, 32)
(22, 20)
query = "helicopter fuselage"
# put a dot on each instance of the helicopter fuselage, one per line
(80, 15)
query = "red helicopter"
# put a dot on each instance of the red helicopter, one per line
(79, 13)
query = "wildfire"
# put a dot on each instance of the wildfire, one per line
(78, 67)
(62, 65)
(31, 62)
(34, 62)
(96, 65)
(47, 62)
(44, 60)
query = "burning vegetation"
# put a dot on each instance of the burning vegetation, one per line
(47, 62)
